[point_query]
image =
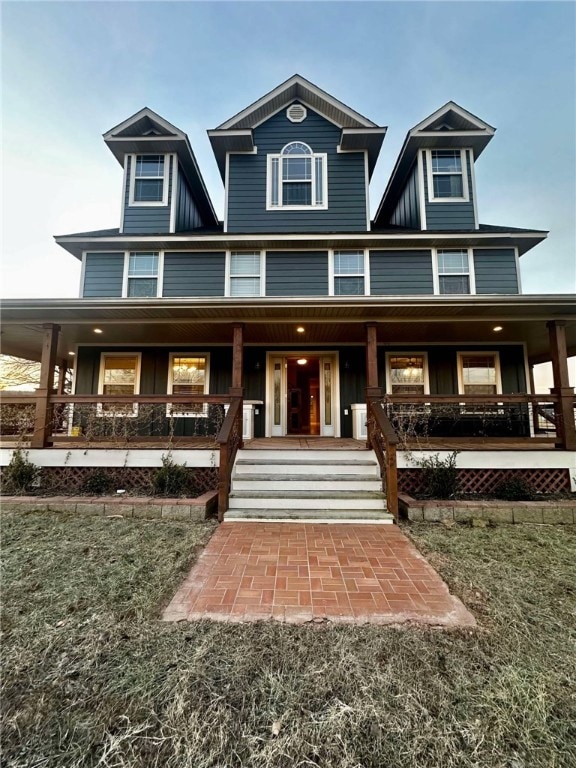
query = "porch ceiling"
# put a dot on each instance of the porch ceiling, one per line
(268, 321)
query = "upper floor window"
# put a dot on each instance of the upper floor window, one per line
(297, 178)
(447, 177)
(349, 273)
(245, 274)
(142, 276)
(148, 182)
(453, 273)
(407, 374)
(479, 373)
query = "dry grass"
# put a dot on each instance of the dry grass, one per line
(92, 678)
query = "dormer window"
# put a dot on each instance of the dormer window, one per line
(297, 179)
(148, 182)
(447, 176)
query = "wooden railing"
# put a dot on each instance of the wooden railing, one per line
(383, 440)
(230, 440)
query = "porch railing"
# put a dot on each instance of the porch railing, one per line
(230, 440)
(383, 440)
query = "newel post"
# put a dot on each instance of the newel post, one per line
(564, 408)
(43, 420)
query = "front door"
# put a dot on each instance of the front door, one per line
(301, 395)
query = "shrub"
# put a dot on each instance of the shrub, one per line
(98, 482)
(172, 479)
(514, 489)
(440, 476)
(21, 474)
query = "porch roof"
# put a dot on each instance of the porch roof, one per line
(270, 321)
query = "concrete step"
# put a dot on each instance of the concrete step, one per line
(304, 454)
(271, 483)
(305, 502)
(312, 515)
(296, 467)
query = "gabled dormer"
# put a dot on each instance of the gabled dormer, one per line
(163, 190)
(432, 185)
(297, 160)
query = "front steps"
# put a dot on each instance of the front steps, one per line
(307, 485)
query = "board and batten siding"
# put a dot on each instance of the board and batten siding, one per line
(103, 275)
(194, 274)
(246, 181)
(394, 273)
(495, 270)
(450, 215)
(146, 219)
(187, 215)
(407, 211)
(290, 273)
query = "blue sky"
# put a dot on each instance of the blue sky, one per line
(71, 71)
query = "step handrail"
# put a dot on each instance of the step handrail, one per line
(383, 440)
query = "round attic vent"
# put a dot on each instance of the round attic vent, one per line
(296, 113)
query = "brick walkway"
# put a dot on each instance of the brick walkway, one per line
(300, 572)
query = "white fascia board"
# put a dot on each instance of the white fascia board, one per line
(145, 112)
(451, 106)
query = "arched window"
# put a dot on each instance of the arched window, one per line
(297, 178)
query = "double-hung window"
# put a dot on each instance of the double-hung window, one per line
(407, 374)
(447, 178)
(188, 375)
(119, 375)
(349, 273)
(454, 274)
(148, 183)
(479, 373)
(297, 178)
(142, 277)
(245, 274)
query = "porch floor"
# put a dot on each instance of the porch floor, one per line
(298, 572)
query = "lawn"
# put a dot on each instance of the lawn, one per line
(92, 678)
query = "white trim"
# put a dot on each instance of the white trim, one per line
(367, 287)
(518, 274)
(159, 274)
(206, 355)
(144, 112)
(471, 273)
(226, 182)
(473, 181)
(485, 352)
(332, 275)
(421, 190)
(125, 275)
(228, 273)
(411, 353)
(430, 176)
(115, 457)
(527, 369)
(137, 373)
(451, 106)
(174, 193)
(165, 179)
(82, 275)
(313, 157)
(124, 190)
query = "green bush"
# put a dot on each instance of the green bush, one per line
(514, 489)
(21, 475)
(440, 476)
(172, 479)
(98, 482)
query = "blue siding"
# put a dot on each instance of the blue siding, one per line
(448, 216)
(187, 216)
(495, 270)
(103, 275)
(346, 181)
(146, 219)
(292, 273)
(407, 211)
(194, 274)
(396, 273)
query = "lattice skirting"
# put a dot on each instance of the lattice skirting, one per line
(484, 481)
(71, 480)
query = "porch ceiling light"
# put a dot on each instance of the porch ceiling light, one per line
(497, 328)
(300, 329)
(98, 330)
(72, 353)
(302, 361)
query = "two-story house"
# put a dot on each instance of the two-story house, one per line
(300, 304)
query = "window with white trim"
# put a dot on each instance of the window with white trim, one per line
(297, 178)
(447, 177)
(349, 273)
(245, 273)
(149, 185)
(407, 373)
(188, 375)
(453, 271)
(479, 373)
(119, 375)
(142, 274)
